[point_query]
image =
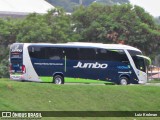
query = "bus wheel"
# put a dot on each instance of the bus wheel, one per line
(123, 81)
(58, 79)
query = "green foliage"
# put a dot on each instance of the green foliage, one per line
(34, 29)
(61, 26)
(46, 28)
(118, 24)
(7, 36)
(4, 62)
(4, 68)
(7, 30)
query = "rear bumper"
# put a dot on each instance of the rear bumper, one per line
(16, 77)
(23, 77)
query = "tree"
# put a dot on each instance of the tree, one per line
(7, 31)
(7, 36)
(61, 25)
(33, 29)
(117, 24)
(4, 67)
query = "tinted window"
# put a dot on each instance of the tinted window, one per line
(54, 53)
(57, 53)
(87, 54)
(111, 55)
(139, 61)
(72, 53)
(134, 53)
(40, 52)
(36, 52)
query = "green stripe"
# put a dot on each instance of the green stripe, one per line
(73, 80)
(46, 79)
(81, 80)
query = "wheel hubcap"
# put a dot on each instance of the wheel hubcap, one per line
(58, 81)
(123, 82)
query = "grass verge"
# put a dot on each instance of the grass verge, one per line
(31, 96)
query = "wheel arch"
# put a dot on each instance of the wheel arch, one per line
(125, 75)
(58, 73)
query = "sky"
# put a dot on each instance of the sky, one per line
(25, 6)
(151, 6)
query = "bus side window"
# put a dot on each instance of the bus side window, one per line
(54, 53)
(112, 55)
(87, 54)
(101, 54)
(36, 52)
(71, 53)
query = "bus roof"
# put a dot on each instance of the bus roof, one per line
(101, 45)
(85, 44)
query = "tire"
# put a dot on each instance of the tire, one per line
(123, 81)
(58, 79)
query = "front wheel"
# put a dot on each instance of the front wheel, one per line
(123, 81)
(58, 79)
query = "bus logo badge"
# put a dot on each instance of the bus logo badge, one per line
(16, 49)
(90, 65)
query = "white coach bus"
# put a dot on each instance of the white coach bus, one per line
(77, 62)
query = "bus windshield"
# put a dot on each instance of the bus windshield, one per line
(139, 61)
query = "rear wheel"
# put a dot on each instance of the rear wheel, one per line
(58, 79)
(123, 81)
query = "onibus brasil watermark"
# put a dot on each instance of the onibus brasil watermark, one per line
(21, 115)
